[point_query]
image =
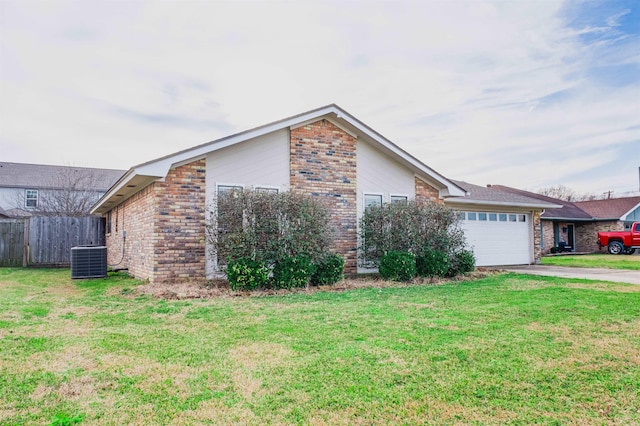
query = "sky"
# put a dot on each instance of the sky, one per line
(529, 94)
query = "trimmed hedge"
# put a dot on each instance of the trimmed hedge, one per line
(462, 262)
(247, 274)
(432, 263)
(398, 266)
(329, 270)
(293, 271)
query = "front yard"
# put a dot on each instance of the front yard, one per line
(631, 262)
(504, 349)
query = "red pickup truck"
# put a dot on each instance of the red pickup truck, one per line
(619, 242)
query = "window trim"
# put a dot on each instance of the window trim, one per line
(372, 194)
(27, 198)
(400, 198)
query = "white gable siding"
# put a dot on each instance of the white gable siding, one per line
(261, 161)
(377, 173)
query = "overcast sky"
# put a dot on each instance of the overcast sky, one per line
(521, 93)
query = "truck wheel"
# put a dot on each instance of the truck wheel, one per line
(630, 251)
(615, 247)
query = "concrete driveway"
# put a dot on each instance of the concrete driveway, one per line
(599, 274)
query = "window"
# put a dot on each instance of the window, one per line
(267, 190)
(398, 199)
(372, 200)
(227, 188)
(522, 218)
(503, 217)
(512, 218)
(482, 216)
(31, 198)
(472, 216)
(109, 222)
(462, 215)
(493, 217)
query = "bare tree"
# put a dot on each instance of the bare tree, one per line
(561, 192)
(71, 192)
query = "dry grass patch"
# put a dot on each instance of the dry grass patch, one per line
(217, 413)
(220, 288)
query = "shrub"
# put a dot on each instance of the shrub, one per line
(398, 266)
(554, 250)
(329, 270)
(462, 262)
(412, 226)
(267, 226)
(432, 263)
(246, 274)
(293, 271)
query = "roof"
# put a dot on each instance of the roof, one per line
(607, 209)
(42, 176)
(3, 213)
(144, 174)
(568, 210)
(491, 195)
(611, 208)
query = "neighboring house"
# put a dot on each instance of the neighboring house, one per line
(26, 189)
(156, 213)
(576, 224)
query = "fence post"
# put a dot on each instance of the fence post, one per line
(25, 245)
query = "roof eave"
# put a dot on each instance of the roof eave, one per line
(467, 201)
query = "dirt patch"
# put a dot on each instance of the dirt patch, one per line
(221, 289)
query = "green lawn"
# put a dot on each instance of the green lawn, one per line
(509, 349)
(595, 261)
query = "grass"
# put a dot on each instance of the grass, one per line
(631, 262)
(509, 349)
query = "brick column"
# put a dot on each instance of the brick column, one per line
(323, 164)
(179, 224)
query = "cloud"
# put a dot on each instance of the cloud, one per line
(491, 92)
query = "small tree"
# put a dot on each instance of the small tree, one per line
(72, 191)
(413, 227)
(267, 227)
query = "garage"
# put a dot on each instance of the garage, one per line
(499, 238)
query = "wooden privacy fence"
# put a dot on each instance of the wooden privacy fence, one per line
(47, 240)
(12, 242)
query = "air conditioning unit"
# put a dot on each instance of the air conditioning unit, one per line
(89, 262)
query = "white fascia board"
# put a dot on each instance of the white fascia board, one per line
(463, 201)
(124, 180)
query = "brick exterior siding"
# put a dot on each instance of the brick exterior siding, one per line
(537, 235)
(586, 234)
(179, 225)
(164, 225)
(426, 192)
(135, 218)
(323, 164)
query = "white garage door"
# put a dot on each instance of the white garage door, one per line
(499, 238)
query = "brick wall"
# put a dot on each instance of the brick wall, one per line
(323, 164)
(135, 218)
(179, 225)
(586, 234)
(426, 192)
(164, 225)
(548, 234)
(537, 236)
